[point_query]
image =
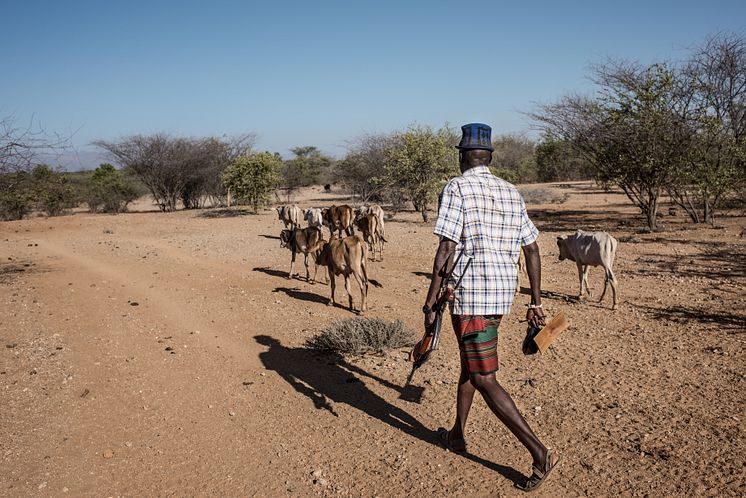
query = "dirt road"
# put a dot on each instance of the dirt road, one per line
(152, 354)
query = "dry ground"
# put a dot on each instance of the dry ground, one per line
(152, 354)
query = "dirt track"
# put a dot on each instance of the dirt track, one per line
(152, 354)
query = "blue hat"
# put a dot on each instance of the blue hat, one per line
(476, 136)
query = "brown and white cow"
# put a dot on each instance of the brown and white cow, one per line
(306, 241)
(339, 218)
(378, 212)
(591, 249)
(368, 225)
(345, 257)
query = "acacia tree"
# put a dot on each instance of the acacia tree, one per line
(175, 169)
(304, 169)
(556, 160)
(419, 163)
(364, 165)
(630, 133)
(253, 178)
(20, 146)
(514, 158)
(713, 90)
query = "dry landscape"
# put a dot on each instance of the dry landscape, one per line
(162, 354)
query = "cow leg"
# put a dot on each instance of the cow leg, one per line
(333, 285)
(347, 288)
(613, 283)
(305, 262)
(292, 262)
(606, 283)
(580, 277)
(585, 280)
(363, 293)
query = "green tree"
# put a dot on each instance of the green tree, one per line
(16, 195)
(420, 162)
(713, 93)
(53, 194)
(556, 160)
(109, 190)
(513, 159)
(630, 133)
(304, 169)
(253, 178)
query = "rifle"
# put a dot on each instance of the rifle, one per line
(430, 341)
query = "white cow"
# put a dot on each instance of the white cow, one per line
(591, 249)
(291, 215)
(314, 217)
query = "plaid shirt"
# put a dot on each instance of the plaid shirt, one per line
(487, 216)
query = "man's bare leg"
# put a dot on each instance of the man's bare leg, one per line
(503, 406)
(464, 397)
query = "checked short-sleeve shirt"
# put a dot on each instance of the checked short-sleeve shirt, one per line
(487, 217)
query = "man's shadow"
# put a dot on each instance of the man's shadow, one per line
(329, 379)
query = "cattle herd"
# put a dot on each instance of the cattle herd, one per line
(346, 252)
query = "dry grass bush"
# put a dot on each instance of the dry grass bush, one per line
(357, 336)
(542, 196)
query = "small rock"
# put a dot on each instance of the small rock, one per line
(128, 444)
(108, 454)
(232, 414)
(316, 474)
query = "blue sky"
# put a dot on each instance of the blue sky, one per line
(320, 73)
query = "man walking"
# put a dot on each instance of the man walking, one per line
(486, 217)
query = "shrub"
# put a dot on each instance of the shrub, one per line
(357, 336)
(109, 190)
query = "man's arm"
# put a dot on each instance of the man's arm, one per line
(535, 316)
(443, 255)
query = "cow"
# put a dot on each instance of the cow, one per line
(339, 218)
(591, 249)
(346, 257)
(314, 217)
(368, 225)
(291, 216)
(376, 210)
(305, 240)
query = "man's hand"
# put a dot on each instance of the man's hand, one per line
(429, 320)
(535, 317)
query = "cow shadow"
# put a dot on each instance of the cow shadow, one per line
(296, 293)
(271, 271)
(329, 380)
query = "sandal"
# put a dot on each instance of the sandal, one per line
(444, 438)
(540, 475)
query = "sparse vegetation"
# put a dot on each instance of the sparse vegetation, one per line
(357, 336)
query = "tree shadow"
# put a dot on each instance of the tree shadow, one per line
(545, 294)
(226, 213)
(330, 379)
(733, 323)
